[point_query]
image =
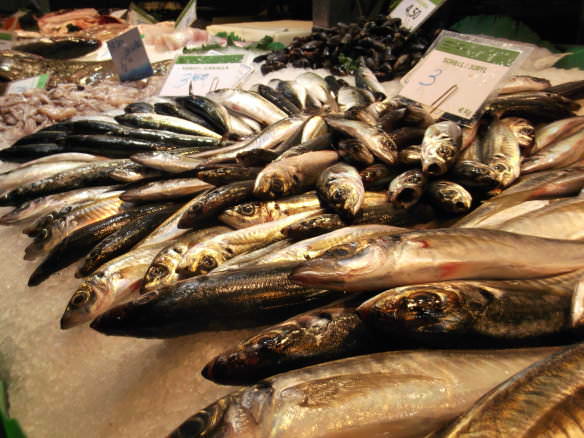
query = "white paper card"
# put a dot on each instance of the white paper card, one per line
(129, 56)
(17, 87)
(414, 12)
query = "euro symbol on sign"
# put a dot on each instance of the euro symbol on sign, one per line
(437, 73)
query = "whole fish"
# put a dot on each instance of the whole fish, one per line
(559, 220)
(468, 312)
(519, 83)
(500, 151)
(122, 240)
(248, 103)
(50, 231)
(278, 99)
(291, 175)
(349, 97)
(341, 187)
(313, 128)
(439, 255)
(209, 203)
(440, 147)
(474, 174)
(162, 269)
(355, 152)
(212, 112)
(407, 188)
(557, 130)
(316, 336)
(58, 158)
(315, 86)
(168, 123)
(206, 256)
(541, 400)
(294, 92)
(231, 299)
(79, 243)
(42, 136)
(377, 141)
(175, 110)
(12, 179)
(506, 214)
(40, 206)
(168, 161)
(562, 153)
(533, 105)
(258, 212)
(165, 190)
(401, 394)
(316, 246)
(112, 146)
(112, 283)
(32, 150)
(364, 78)
(92, 174)
(449, 196)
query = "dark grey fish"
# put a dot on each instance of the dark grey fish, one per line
(231, 299)
(26, 152)
(533, 105)
(40, 137)
(572, 90)
(377, 176)
(227, 174)
(212, 202)
(256, 157)
(139, 107)
(279, 99)
(315, 226)
(111, 145)
(215, 114)
(59, 47)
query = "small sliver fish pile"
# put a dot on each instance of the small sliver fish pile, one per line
(350, 222)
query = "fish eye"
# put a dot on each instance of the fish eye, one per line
(445, 152)
(79, 298)
(337, 196)
(339, 251)
(208, 263)
(499, 167)
(246, 209)
(156, 271)
(423, 303)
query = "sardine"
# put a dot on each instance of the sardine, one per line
(323, 223)
(377, 141)
(214, 113)
(32, 150)
(174, 110)
(544, 399)
(291, 175)
(231, 299)
(401, 394)
(474, 174)
(349, 97)
(315, 86)
(377, 176)
(355, 152)
(168, 123)
(316, 336)
(256, 157)
(122, 240)
(468, 312)
(248, 103)
(228, 174)
(364, 78)
(249, 258)
(571, 89)
(533, 105)
(278, 99)
(12, 179)
(341, 187)
(134, 172)
(294, 92)
(407, 188)
(524, 132)
(206, 256)
(519, 83)
(440, 147)
(562, 153)
(257, 212)
(168, 161)
(162, 269)
(449, 196)
(439, 255)
(165, 190)
(552, 132)
(114, 282)
(139, 107)
(211, 202)
(500, 150)
(313, 128)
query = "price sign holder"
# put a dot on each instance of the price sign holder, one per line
(22, 85)
(192, 75)
(413, 13)
(6, 40)
(187, 16)
(460, 72)
(129, 56)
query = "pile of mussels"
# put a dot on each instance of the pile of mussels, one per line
(386, 48)
(244, 208)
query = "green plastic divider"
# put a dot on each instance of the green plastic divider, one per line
(9, 427)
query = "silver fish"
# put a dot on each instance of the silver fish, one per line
(501, 152)
(440, 147)
(341, 186)
(250, 104)
(449, 196)
(407, 188)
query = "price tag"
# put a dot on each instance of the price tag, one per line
(414, 12)
(129, 56)
(17, 87)
(187, 16)
(6, 40)
(460, 72)
(201, 74)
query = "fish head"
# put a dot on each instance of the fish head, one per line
(425, 308)
(340, 265)
(202, 260)
(345, 198)
(242, 215)
(436, 159)
(162, 270)
(84, 305)
(477, 173)
(504, 172)
(455, 198)
(406, 190)
(275, 183)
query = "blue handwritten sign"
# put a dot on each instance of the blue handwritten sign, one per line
(129, 56)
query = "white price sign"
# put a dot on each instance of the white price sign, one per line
(413, 13)
(17, 87)
(6, 40)
(459, 74)
(129, 56)
(201, 74)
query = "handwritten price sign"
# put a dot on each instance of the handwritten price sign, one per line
(129, 56)
(17, 87)
(459, 74)
(201, 74)
(414, 12)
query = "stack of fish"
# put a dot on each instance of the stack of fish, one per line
(244, 208)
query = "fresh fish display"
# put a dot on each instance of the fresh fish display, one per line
(324, 400)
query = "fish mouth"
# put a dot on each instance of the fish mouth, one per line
(317, 272)
(434, 169)
(406, 197)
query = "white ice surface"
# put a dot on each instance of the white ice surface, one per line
(78, 383)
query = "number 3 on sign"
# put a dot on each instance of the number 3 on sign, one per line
(437, 73)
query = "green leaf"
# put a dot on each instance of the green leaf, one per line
(231, 37)
(349, 64)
